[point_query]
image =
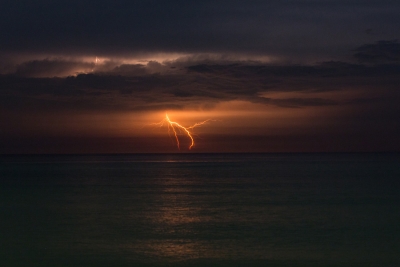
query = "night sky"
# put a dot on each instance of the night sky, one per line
(268, 76)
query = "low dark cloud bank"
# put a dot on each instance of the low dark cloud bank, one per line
(137, 87)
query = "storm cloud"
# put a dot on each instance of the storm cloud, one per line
(292, 30)
(157, 86)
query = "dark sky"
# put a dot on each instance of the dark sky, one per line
(270, 76)
(294, 30)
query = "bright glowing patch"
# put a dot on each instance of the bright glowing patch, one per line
(178, 129)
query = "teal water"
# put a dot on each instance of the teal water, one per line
(200, 210)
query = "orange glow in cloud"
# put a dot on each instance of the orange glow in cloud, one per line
(178, 129)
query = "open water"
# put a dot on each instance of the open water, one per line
(200, 210)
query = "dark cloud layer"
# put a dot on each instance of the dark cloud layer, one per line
(290, 29)
(383, 52)
(49, 68)
(137, 87)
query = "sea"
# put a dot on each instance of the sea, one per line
(333, 209)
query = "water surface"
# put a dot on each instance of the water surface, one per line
(200, 210)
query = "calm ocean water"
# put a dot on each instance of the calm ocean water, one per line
(200, 210)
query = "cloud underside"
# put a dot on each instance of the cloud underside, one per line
(203, 86)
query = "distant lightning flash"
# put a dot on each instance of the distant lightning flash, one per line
(175, 127)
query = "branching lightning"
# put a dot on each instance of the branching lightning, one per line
(177, 128)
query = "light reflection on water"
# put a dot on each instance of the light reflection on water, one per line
(277, 210)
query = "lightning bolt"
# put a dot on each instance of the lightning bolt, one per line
(178, 128)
